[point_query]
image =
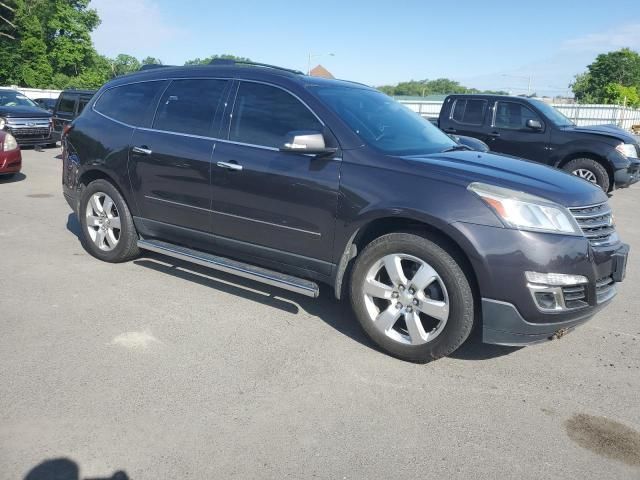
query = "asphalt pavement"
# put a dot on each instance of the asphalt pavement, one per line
(157, 369)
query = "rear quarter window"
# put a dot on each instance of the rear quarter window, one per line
(469, 111)
(132, 104)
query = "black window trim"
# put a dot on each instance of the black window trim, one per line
(228, 108)
(495, 112)
(484, 111)
(64, 96)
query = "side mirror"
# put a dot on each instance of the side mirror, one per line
(306, 142)
(534, 124)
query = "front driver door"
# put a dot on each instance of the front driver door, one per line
(509, 132)
(275, 205)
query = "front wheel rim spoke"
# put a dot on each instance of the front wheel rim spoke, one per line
(388, 318)
(96, 205)
(424, 277)
(99, 240)
(93, 221)
(393, 266)
(114, 222)
(417, 334)
(377, 289)
(434, 308)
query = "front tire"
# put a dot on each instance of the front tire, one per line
(412, 297)
(107, 229)
(589, 170)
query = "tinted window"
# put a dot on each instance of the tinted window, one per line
(82, 103)
(513, 116)
(189, 106)
(11, 98)
(552, 114)
(67, 104)
(384, 123)
(129, 103)
(263, 115)
(469, 111)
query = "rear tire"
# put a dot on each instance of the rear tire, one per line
(427, 312)
(107, 229)
(589, 170)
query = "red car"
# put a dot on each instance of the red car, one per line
(10, 156)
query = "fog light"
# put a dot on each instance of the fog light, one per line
(546, 300)
(555, 279)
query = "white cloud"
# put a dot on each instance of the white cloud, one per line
(627, 35)
(136, 27)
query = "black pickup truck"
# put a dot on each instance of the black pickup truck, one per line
(529, 128)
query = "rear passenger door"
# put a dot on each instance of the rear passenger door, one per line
(467, 117)
(170, 162)
(274, 205)
(510, 134)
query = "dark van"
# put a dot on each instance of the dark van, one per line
(69, 105)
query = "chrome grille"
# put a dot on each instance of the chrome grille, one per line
(605, 289)
(29, 132)
(596, 222)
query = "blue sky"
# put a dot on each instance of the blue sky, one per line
(495, 44)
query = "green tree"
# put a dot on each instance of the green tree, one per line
(617, 94)
(621, 67)
(151, 61)
(207, 60)
(124, 64)
(422, 88)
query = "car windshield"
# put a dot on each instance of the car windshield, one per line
(15, 99)
(384, 123)
(557, 118)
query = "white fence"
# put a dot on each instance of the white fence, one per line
(33, 93)
(581, 114)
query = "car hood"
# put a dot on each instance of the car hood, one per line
(464, 167)
(24, 112)
(608, 130)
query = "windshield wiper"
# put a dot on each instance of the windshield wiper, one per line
(455, 148)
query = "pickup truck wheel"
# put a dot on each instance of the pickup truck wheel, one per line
(411, 297)
(589, 170)
(107, 229)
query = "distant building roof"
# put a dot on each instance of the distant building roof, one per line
(320, 71)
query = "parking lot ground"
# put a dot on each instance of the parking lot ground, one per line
(164, 370)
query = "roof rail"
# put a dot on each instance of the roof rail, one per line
(249, 63)
(151, 66)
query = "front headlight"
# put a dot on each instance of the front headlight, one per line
(526, 212)
(3, 122)
(628, 150)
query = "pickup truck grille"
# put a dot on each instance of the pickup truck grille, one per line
(596, 222)
(26, 128)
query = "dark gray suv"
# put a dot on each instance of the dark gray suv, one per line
(293, 181)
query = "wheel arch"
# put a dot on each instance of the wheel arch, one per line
(91, 174)
(602, 160)
(377, 227)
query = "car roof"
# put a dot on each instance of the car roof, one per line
(79, 91)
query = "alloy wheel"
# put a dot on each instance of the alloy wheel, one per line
(406, 299)
(103, 221)
(586, 174)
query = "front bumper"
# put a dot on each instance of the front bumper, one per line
(627, 176)
(27, 137)
(500, 257)
(10, 162)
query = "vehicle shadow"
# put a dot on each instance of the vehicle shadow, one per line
(65, 469)
(16, 177)
(334, 313)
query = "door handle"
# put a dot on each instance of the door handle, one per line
(141, 151)
(229, 166)
(494, 134)
(450, 130)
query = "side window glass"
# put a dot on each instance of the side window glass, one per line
(189, 106)
(129, 103)
(513, 116)
(263, 115)
(469, 111)
(66, 105)
(82, 103)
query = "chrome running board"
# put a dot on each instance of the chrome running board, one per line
(245, 270)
